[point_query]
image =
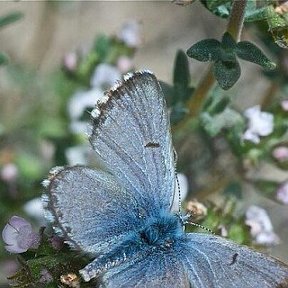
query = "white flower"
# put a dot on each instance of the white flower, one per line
(77, 155)
(82, 100)
(9, 172)
(34, 208)
(124, 64)
(280, 153)
(80, 127)
(183, 183)
(130, 33)
(284, 105)
(105, 76)
(70, 61)
(259, 124)
(282, 193)
(47, 149)
(261, 228)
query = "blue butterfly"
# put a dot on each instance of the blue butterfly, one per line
(121, 214)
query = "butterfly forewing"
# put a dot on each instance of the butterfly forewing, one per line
(131, 136)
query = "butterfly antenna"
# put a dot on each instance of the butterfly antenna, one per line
(200, 226)
(179, 192)
(177, 181)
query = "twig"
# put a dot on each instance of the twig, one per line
(234, 27)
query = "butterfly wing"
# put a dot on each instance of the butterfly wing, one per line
(131, 135)
(159, 269)
(200, 261)
(212, 261)
(89, 208)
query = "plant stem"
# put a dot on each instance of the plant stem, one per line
(234, 27)
(236, 19)
(269, 95)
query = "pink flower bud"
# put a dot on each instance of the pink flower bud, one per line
(280, 153)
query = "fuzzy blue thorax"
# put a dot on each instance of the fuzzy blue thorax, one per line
(161, 232)
(158, 234)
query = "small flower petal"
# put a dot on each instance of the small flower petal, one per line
(183, 183)
(124, 64)
(70, 61)
(261, 228)
(259, 124)
(82, 100)
(77, 155)
(130, 34)
(284, 105)
(280, 153)
(282, 193)
(267, 238)
(252, 137)
(9, 172)
(34, 208)
(19, 236)
(105, 76)
(45, 276)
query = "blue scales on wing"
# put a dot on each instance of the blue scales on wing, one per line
(212, 261)
(89, 208)
(131, 135)
(103, 212)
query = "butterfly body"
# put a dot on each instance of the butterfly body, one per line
(121, 215)
(158, 234)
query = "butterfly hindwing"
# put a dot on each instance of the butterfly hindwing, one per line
(200, 261)
(89, 208)
(158, 269)
(212, 261)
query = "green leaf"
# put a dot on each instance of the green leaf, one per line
(267, 188)
(228, 41)
(168, 92)
(214, 124)
(178, 112)
(226, 73)
(214, 4)
(3, 59)
(29, 165)
(102, 47)
(218, 7)
(220, 106)
(181, 75)
(233, 189)
(256, 14)
(238, 232)
(250, 52)
(10, 18)
(205, 50)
